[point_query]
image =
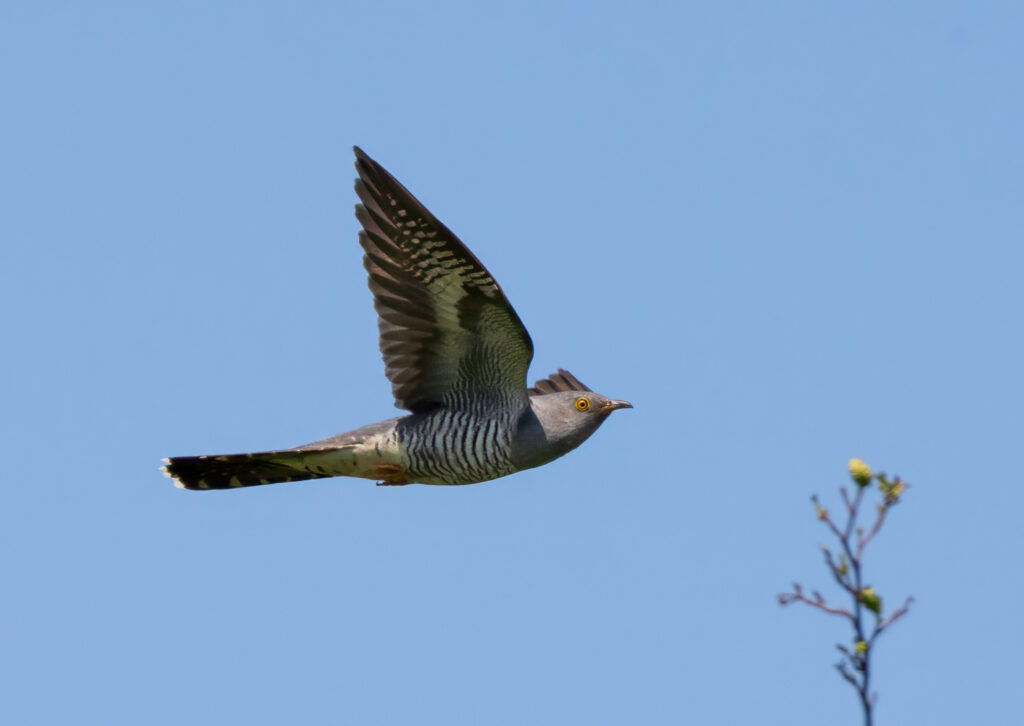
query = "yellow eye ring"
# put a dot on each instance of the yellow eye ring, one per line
(582, 404)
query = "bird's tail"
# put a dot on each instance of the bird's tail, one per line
(245, 470)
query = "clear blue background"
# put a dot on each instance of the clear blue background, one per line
(789, 233)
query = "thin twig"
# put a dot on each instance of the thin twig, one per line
(789, 597)
(893, 617)
(879, 519)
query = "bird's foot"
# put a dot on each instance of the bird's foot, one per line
(390, 475)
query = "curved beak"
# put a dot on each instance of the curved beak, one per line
(614, 405)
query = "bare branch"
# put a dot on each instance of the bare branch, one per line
(881, 509)
(787, 598)
(841, 667)
(893, 617)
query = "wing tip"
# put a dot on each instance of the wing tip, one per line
(364, 161)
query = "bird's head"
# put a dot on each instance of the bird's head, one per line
(563, 414)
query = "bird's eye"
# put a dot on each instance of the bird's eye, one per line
(582, 404)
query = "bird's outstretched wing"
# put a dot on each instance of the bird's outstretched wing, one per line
(447, 334)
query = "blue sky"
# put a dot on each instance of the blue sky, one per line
(789, 233)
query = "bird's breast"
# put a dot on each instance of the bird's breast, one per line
(457, 447)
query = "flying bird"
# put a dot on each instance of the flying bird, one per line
(456, 354)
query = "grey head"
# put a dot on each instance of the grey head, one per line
(563, 414)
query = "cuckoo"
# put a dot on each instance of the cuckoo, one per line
(456, 354)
